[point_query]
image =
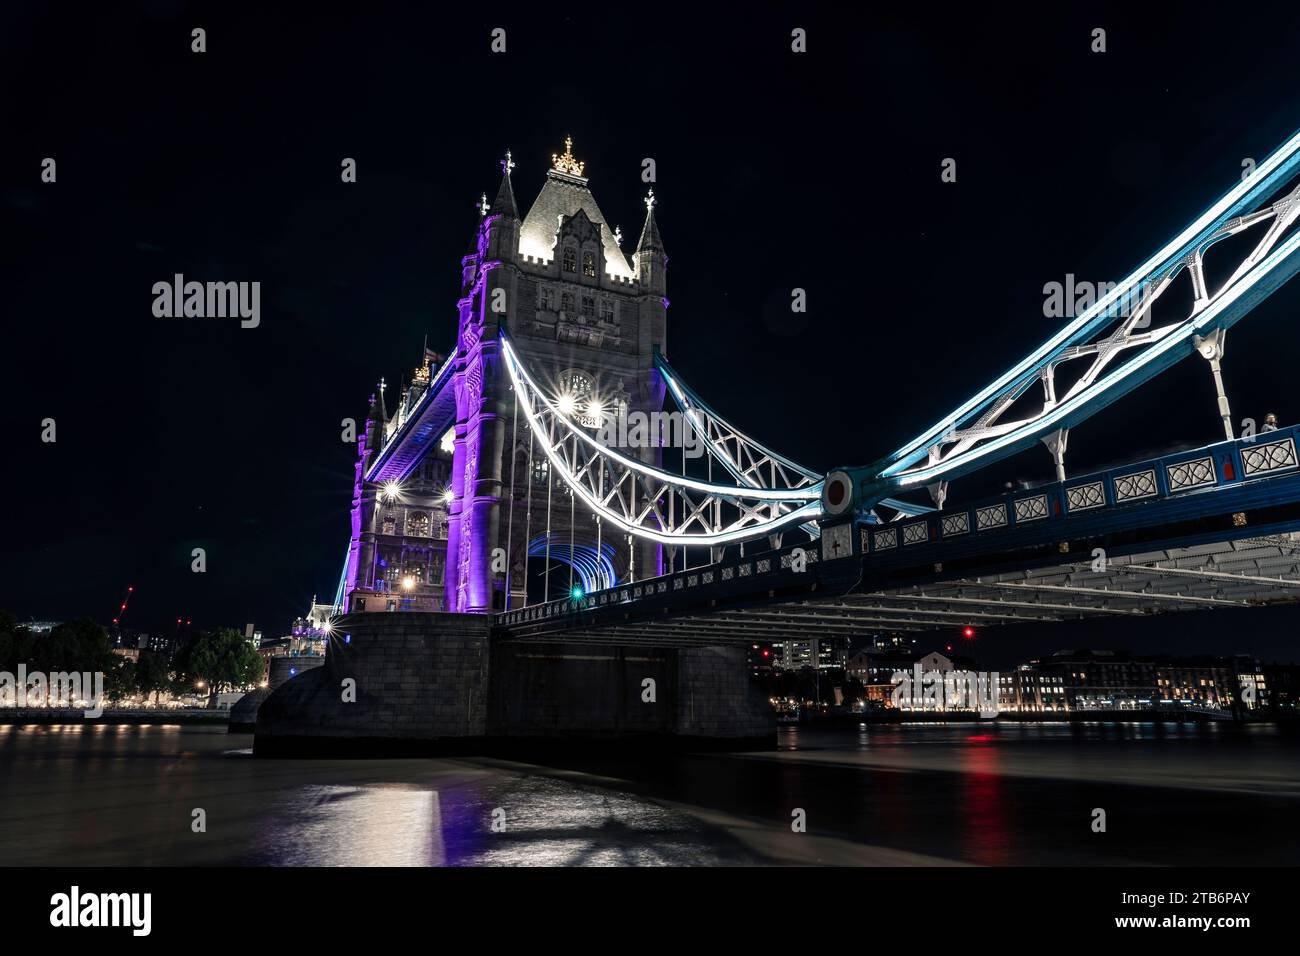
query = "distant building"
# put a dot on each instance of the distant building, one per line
(823, 653)
(1283, 685)
(1087, 680)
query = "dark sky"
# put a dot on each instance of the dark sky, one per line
(819, 171)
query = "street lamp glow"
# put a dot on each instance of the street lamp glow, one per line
(392, 490)
(448, 496)
(408, 583)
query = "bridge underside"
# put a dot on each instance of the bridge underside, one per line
(1242, 573)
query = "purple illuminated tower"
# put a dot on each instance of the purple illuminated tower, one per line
(585, 319)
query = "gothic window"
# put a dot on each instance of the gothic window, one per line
(415, 571)
(589, 263)
(588, 306)
(606, 310)
(541, 470)
(418, 525)
(566, 302)
(570, 261)
(390, 524)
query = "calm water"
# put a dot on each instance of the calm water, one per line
(932, 794)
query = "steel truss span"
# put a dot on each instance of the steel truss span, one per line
(650, 502)
(745, 459)
(1241, 573)
(1116, 339)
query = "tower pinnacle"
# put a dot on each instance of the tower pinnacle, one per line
(504, 204)
(650, 232)
(567, 163)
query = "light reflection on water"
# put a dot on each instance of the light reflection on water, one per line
(124, 795)
(988, 793)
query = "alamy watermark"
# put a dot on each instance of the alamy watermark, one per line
(61, 690)
(624, 429)
(1073, 297)
(209, 300)
(946, 690)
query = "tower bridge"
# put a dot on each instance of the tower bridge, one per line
(490, 474)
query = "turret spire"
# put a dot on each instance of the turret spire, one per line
(650, 232)
(504, 204)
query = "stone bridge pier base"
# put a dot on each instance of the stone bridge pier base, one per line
(424, 683)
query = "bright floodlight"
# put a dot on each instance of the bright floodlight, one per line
(566, 405)
(408, 583)
(594, 408)
(448, 496)
(392, 489)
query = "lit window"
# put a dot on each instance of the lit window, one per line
(418, 525)
(541, 470)
(566, 302)
(588, 306)
(606, 310)
(570, 261)
(589, 263)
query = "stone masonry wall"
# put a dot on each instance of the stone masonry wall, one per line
(715, 697)
(418, 677)
(564, 690)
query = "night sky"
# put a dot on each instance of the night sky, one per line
(775, 171)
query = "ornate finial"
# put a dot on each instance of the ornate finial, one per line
(482, 205)
(650, 201)
(618, 236)
(382, 386)
(566, 163)
(507, 164)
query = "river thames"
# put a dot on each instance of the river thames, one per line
(994, 793)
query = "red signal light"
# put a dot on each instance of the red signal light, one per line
(968, 632)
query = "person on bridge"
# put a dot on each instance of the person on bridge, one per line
(1270, 423)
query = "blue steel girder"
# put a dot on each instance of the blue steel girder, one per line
(1245, 488)
(971, 437)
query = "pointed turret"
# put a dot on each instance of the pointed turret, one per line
(504, 204)
(381, 416)
(502, 218)
(651, 261)
(650, 241)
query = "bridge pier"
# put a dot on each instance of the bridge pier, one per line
(428, 683)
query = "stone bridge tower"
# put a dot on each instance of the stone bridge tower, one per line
(585, 320)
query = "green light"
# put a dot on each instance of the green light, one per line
(576, 593)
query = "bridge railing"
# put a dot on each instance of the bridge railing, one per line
(1180, 474)
(1192, 471)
